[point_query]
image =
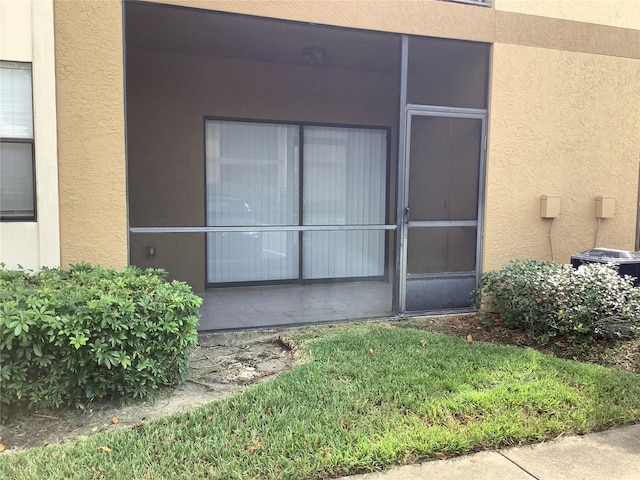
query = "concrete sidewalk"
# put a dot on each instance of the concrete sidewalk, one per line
(609, 455)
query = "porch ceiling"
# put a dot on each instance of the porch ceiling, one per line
(197, 32)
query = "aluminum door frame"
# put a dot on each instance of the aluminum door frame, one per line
(411, 110)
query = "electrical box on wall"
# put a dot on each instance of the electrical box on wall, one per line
(605, 207)
(549, 206)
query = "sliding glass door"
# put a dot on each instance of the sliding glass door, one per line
(295, 202)
(344, 184)
(252, 180)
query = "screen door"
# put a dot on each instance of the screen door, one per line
(442, 215)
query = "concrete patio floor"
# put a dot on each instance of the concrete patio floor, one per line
(270, 306)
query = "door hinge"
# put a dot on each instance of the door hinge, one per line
(484, 143)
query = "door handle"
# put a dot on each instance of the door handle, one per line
(407, 215)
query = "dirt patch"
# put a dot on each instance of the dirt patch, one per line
(222, 364)
(620, 354)
(490, 330)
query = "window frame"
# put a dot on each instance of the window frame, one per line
(300, 279)
(31, 141)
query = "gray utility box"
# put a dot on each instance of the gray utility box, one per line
(627, 261)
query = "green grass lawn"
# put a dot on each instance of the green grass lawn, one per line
(367, 397)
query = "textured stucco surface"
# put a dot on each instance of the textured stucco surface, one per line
(563, 120)
(419, 17)
(552, 113)
(559, 34)
(615, 13)
(609, 27)
(561, 123)
(90, 99)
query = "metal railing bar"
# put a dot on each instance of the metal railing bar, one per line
(443, 223)
(261, 228)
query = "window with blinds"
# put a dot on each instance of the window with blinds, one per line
(17, 192)
(315, 198)
(345, 172)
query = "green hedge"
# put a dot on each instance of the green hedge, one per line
(71, 336)
(551, 299)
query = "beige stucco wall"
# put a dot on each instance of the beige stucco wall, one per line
(552, 112)
(551, 108)
(26, 35)
(548, 23)
(420, 17)
(561, 123)
(91, 139)
(167, 97)
(615, 13)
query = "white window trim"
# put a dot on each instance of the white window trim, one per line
(45, 132)
(29, 37)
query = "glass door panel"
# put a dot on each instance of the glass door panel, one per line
(344, 254)
(252, 180)
(344, 183)
(442, 240)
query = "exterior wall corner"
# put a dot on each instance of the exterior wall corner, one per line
(91, 132)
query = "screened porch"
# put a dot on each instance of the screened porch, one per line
(296, 173)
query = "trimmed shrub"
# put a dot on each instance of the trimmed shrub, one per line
(91, 332)
(556, 299)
